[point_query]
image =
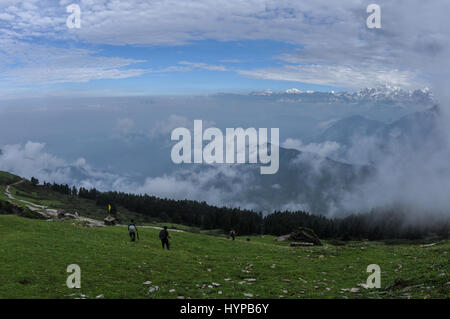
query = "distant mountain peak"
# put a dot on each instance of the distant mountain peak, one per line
(385, 93)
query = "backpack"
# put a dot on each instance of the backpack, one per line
(131, 228)
(163, 234)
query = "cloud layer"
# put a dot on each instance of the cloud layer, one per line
(333, 45)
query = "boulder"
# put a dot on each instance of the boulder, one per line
(303, 234)
(110, 221)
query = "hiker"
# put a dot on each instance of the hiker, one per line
(232, 234)
(164, 236)
(132, 229)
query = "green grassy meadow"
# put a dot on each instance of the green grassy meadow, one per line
(36, 253)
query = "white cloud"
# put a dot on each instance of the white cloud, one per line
(322, 149)
(31, 159)
(339, 76)
(204, 66)
(39, 64)
(337, 48)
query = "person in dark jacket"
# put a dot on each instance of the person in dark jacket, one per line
(132, 229)
(164, 236)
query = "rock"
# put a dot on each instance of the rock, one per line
(153, 289)
(303, 234)
(354, 290)
(215, 284)
(248, 295)
(220, 292)
(100, 296)
(180, 297)
(300, 244)
(364, 286)
(147, 283)
(60, 213)
(172, 290)
(283, 238)
(250, 279)
(110, 221)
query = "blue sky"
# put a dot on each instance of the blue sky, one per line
(191, 79)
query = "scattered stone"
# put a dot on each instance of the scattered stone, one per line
(219, 292)
(215, 284)
(273, 266)
(227, 279)
(363, 286)
(321, 256)
(109, 221)
(428, 245)
(354, 290)
(100, 296)
(250, 279)
(248, 295)
(147, 283)
(172, 290)
(153, 289)
(180, 297)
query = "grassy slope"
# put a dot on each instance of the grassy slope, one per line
(42, 196)
(7, 178)
(35, 255)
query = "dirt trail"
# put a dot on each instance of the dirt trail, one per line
(50, 213)
(46, 212)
